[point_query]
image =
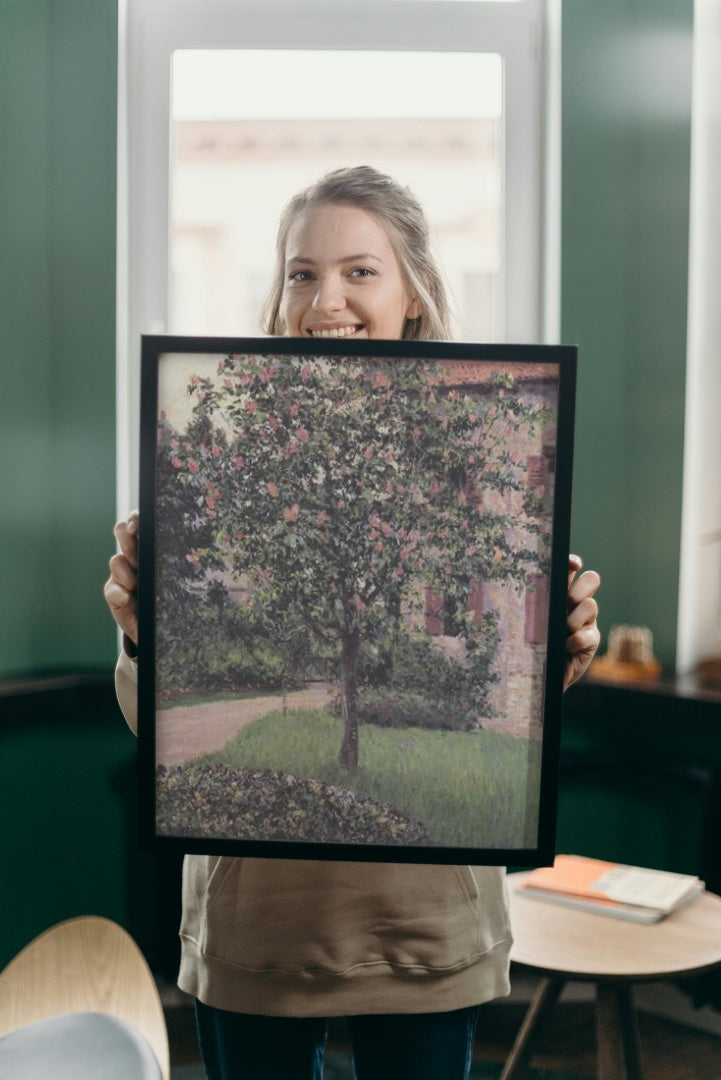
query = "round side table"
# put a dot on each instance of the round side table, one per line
(563, 944)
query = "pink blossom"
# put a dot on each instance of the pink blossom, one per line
(193, 556)
(238, 461)
(386, 529)
(291, 512)
(321, 517)
(273, 421)
(174, 444)
(382, 379)
(227, 384)
(398, 572)
(210, 502)
(375, 521)
(305, 372)
(215, 450)
(267, 374)
(301, 434)
(272, 488)
(368, 453)
(378, 547)
(194, 380)
(176, 463)
(193, 466)
(341, 504)
(294, 408)
(251, 406)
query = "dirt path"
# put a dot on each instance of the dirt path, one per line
(185, 731)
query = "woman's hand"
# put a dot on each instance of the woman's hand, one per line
(583, 635)
(121, 587)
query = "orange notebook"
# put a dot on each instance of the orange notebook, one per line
(631, 892)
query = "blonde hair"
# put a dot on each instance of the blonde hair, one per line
(403, 217)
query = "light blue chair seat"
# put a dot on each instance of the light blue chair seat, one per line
(78, 1046)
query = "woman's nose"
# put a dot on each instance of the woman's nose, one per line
(329, 296)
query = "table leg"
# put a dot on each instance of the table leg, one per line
(617, 1033)
(545, 997)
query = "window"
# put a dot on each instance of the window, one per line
(227, 107)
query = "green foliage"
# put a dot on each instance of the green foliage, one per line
(390, 707)
(212, 645)
(221, 802)
(338, 486)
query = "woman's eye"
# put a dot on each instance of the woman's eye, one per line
(362, 272)
(300, 276)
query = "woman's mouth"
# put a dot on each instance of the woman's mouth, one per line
(334, 331)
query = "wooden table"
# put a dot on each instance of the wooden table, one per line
(563, 944)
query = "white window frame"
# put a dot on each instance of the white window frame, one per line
(526, 34)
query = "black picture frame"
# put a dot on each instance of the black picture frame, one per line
(353, 572)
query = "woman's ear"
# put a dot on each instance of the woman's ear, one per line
(415, 309)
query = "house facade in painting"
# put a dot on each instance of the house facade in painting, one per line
(517, 695)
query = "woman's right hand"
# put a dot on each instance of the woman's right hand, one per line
(121, 587)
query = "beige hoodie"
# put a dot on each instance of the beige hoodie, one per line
(285, 937)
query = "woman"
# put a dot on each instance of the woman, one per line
(271, 948)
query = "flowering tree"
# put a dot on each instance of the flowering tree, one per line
(343, 490)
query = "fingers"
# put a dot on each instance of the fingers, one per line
(583, 636)
(121, 587)
(123, 607)
(126, 534)
(583, 587)
(575, 562)
(582, 613)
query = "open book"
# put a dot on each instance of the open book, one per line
(608, 888)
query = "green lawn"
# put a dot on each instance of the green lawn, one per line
(469, 788)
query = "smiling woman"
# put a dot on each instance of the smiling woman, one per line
(331, 292)
(353, 259)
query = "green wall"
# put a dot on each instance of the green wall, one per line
(58, 71)
(626, 145)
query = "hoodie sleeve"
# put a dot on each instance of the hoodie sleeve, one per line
(126, 688)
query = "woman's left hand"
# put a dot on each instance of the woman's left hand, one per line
(582, 637)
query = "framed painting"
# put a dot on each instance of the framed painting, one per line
(352, 597)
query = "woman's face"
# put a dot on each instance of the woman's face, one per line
(342, 277)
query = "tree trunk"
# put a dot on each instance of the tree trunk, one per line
(349, 698)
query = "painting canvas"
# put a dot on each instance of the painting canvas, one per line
(353, 573)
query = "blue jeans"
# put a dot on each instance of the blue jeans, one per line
(415, 1046)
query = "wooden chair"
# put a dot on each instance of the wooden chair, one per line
(82, 974)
